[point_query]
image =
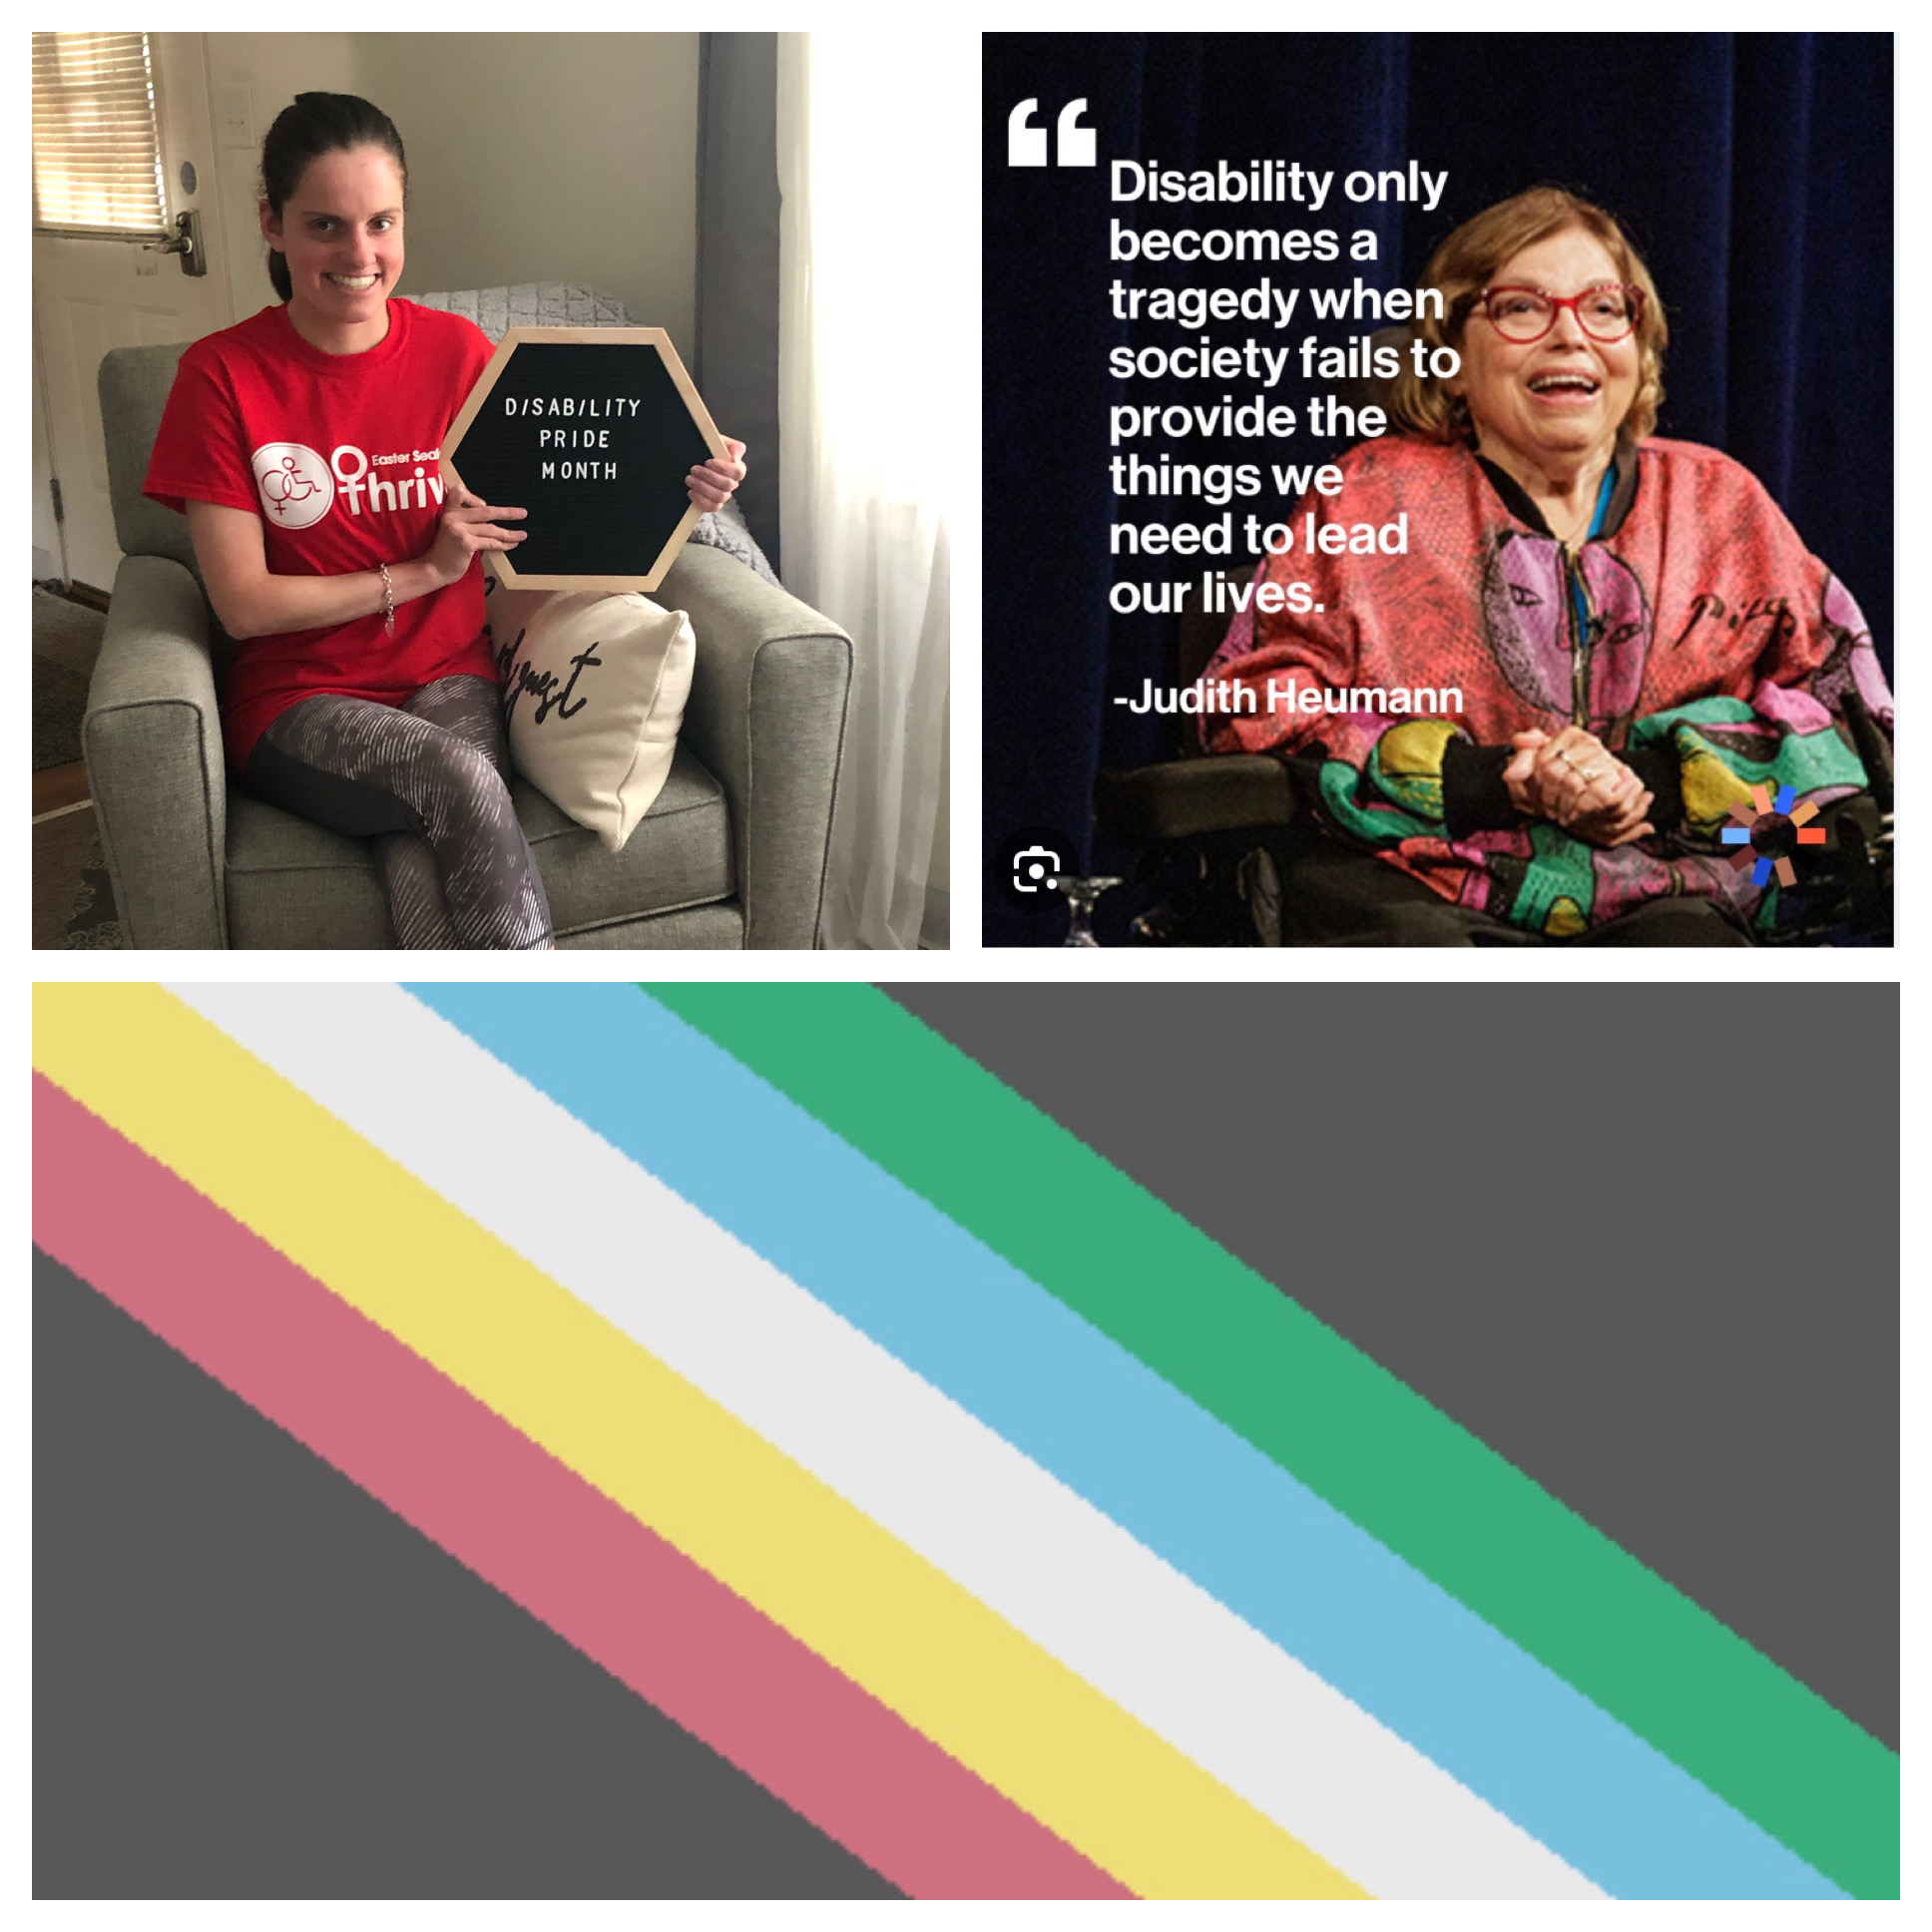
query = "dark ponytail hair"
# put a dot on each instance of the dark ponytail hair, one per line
(319, 123)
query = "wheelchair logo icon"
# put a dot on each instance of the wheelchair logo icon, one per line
(296, 485)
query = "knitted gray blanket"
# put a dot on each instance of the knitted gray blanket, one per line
(567, 304)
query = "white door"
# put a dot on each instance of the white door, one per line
(93, 296)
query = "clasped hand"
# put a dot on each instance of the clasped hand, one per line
(1571, 780)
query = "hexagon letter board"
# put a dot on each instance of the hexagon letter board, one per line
(591, 430)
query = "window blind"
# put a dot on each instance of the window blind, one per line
(97, 150)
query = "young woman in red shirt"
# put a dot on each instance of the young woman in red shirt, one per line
(303, 446)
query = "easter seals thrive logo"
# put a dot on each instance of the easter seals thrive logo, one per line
(296, 484)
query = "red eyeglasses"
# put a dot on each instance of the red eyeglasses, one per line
(1605, 313)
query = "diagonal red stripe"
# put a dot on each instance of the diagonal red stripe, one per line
(519, 1519)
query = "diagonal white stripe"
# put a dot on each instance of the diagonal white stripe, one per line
(916, 1462)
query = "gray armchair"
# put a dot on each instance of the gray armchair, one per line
(731, 854)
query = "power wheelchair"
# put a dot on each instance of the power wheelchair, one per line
(1213, 836)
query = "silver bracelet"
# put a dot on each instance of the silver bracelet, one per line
(388, 602)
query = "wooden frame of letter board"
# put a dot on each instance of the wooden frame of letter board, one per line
(507, 572)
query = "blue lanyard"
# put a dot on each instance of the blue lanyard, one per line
(1604, 494)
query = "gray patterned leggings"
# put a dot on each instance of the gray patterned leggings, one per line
(429, 782)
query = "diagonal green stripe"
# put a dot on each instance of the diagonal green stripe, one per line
(939, 1123)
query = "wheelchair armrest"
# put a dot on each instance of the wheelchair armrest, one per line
(1187, 796)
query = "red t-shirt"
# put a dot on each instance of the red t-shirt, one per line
(337, 455)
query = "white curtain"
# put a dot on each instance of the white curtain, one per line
(877, 372)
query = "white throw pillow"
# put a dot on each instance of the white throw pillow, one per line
(594, 689)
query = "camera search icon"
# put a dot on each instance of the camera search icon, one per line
(1024, 867)
(1036, 869)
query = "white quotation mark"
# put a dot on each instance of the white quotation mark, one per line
(1026, 147)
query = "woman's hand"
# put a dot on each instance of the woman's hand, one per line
(468, 525)
(709, 485)
(1571, 780)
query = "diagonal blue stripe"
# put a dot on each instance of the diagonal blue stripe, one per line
(1172, 1475)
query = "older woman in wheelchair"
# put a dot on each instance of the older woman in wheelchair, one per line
(1668, 707)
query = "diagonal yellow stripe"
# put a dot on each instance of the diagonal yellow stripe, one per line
(402, 1255)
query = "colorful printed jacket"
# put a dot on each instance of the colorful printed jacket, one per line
(1714, 657)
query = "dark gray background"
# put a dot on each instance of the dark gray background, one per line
(1641, 1239)
(252, 1680)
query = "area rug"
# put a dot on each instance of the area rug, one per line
(78, 876)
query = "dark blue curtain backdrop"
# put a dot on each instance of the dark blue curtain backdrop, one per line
(1753, 173)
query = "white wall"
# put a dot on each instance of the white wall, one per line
(532, 156)
(548, 158)
(274, 68)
